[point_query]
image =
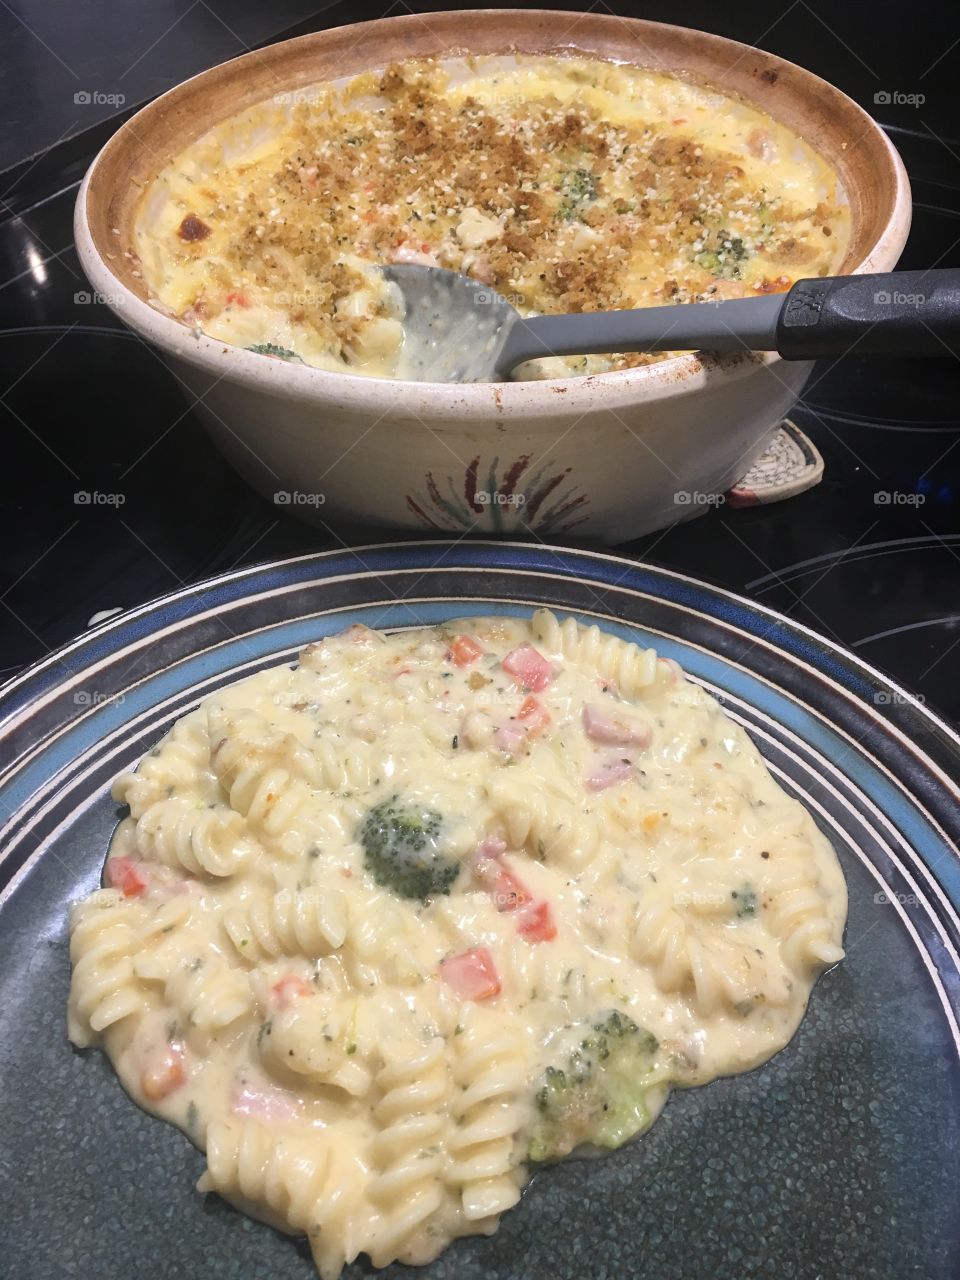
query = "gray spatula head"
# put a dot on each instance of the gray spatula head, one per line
(454, 327)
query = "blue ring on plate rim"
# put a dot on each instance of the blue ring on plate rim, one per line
(873, 765)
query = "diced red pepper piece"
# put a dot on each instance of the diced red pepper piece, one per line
(535, 923)
(507, 890)
(237, 298)
(463, 651)
(126, 875)
(534, 714)
(472, 974)
(529, 668)
(165, 1073)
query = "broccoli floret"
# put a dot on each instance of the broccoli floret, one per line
(271, 349)
(745, 901)
(599, 1095)
(579, 189)
(401, 849)
(723, 261)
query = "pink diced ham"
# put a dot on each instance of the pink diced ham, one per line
(529, 668)
(472, 974)
(613, 728)
(265, 1101)
(509, 738)
(491, 847)
(609, 772)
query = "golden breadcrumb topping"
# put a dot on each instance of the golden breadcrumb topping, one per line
(566, 185)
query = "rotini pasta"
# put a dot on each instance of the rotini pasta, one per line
(309, 922)
(408, 1188)
(175, 762)
(213, 842)
(628, 668)
(387, 929)
(207, 993)
(316, 1039)
(310, 1186)
(490, 1070)
(103, 942)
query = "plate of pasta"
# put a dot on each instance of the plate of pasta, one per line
(402, 881)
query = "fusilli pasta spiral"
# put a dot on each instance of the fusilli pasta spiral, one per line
(312, 1185)
(490, 1069)
(175, 762)
(414, 1086)
(630, 669)
(309, 922)
(103, 941)
(208, 994)
(316, 1040)
(213, 842)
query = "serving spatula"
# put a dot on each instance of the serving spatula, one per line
(460, 330)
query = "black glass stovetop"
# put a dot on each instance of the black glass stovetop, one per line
(86, 407)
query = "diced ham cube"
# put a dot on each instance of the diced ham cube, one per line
(509, 738)
(529, 668)
(491, 847)
(266, 1101)
(614, 728)
(609, 772)
(472, 974)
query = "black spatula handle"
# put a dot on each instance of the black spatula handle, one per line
(900, 313)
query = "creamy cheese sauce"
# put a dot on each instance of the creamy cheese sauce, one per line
(565, 184)
(598, 893)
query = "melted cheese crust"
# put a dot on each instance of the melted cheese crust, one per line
(566, 184)
(366, 1067)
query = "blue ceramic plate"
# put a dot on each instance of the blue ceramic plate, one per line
(838, 1159)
